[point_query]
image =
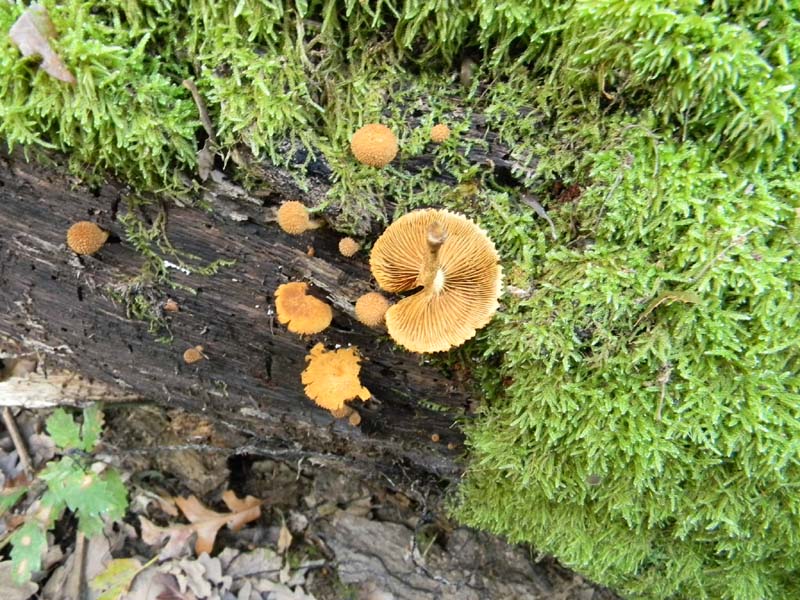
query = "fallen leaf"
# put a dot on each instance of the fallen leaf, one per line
(32, 33)
(284, 539)
(205, 522)
(178, 537)
(205, 161)
(152, 584)
(213, 567)
(256, 562)
(115, 581)
(11, 589)
(143, 498)
(191, 577)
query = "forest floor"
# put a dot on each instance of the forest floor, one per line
(318, 532)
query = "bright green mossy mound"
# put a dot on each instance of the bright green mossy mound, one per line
(642, 403)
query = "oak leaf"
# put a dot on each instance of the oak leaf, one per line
(203, 521)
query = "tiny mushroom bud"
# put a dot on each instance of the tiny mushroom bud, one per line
(331, 378)
(435, 438)
(171, 306)
(193, 355)
(371, 309)
(341, 413)
(374, 145)
(294, 219)
(348, 246)
(354, 419)
(440, 133)
(85, 237)
(300, 312)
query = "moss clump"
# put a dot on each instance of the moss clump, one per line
(647, 432)
(641, 382)
(125, 114)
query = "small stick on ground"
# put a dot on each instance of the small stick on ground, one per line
(19, 443)
(74, 587)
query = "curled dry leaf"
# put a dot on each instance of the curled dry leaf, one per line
(32, 33)
(203, 521)
(284, 539)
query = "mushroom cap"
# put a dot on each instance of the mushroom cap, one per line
(461, 298)
(371, 309)
(440, 133)
(354, 419)
(293, 217)
(85, 237)
(348, 246)
(193, 355)
(300, 312)
(374, 145)
(331, 378)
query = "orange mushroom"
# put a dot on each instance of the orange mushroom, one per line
(300, 312)
(371, 308)
(294, 219)
(454, 263)
(193, 355)
(374, 145)
(348, 246)
(440, 133)
(331, 377)
(85, 237)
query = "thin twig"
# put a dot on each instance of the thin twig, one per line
(203, 110)
(75, 582)
(19, 443)
(663, 380)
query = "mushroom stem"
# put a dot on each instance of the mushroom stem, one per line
(315, 223)
(436, 237)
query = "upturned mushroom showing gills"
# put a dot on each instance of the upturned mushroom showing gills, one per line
(331, 377)
(300, 312)
(455, 264)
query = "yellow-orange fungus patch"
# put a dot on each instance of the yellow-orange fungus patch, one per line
(331, 377)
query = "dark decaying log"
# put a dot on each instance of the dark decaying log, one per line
(57, 305)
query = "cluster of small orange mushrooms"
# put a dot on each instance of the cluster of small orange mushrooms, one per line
(445, 256)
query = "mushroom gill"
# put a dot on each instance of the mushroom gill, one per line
(454, 263)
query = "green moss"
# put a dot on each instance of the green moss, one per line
(641, 380)
(693, 499)
(124, 114)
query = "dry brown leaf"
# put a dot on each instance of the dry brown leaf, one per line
(207, 522)
(203, 521)
(284, 539)
(32, 33)
(249, 508)
(178, 537)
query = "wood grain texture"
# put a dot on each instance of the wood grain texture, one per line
(58, 306)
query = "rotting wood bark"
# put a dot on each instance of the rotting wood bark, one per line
(57, 306)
